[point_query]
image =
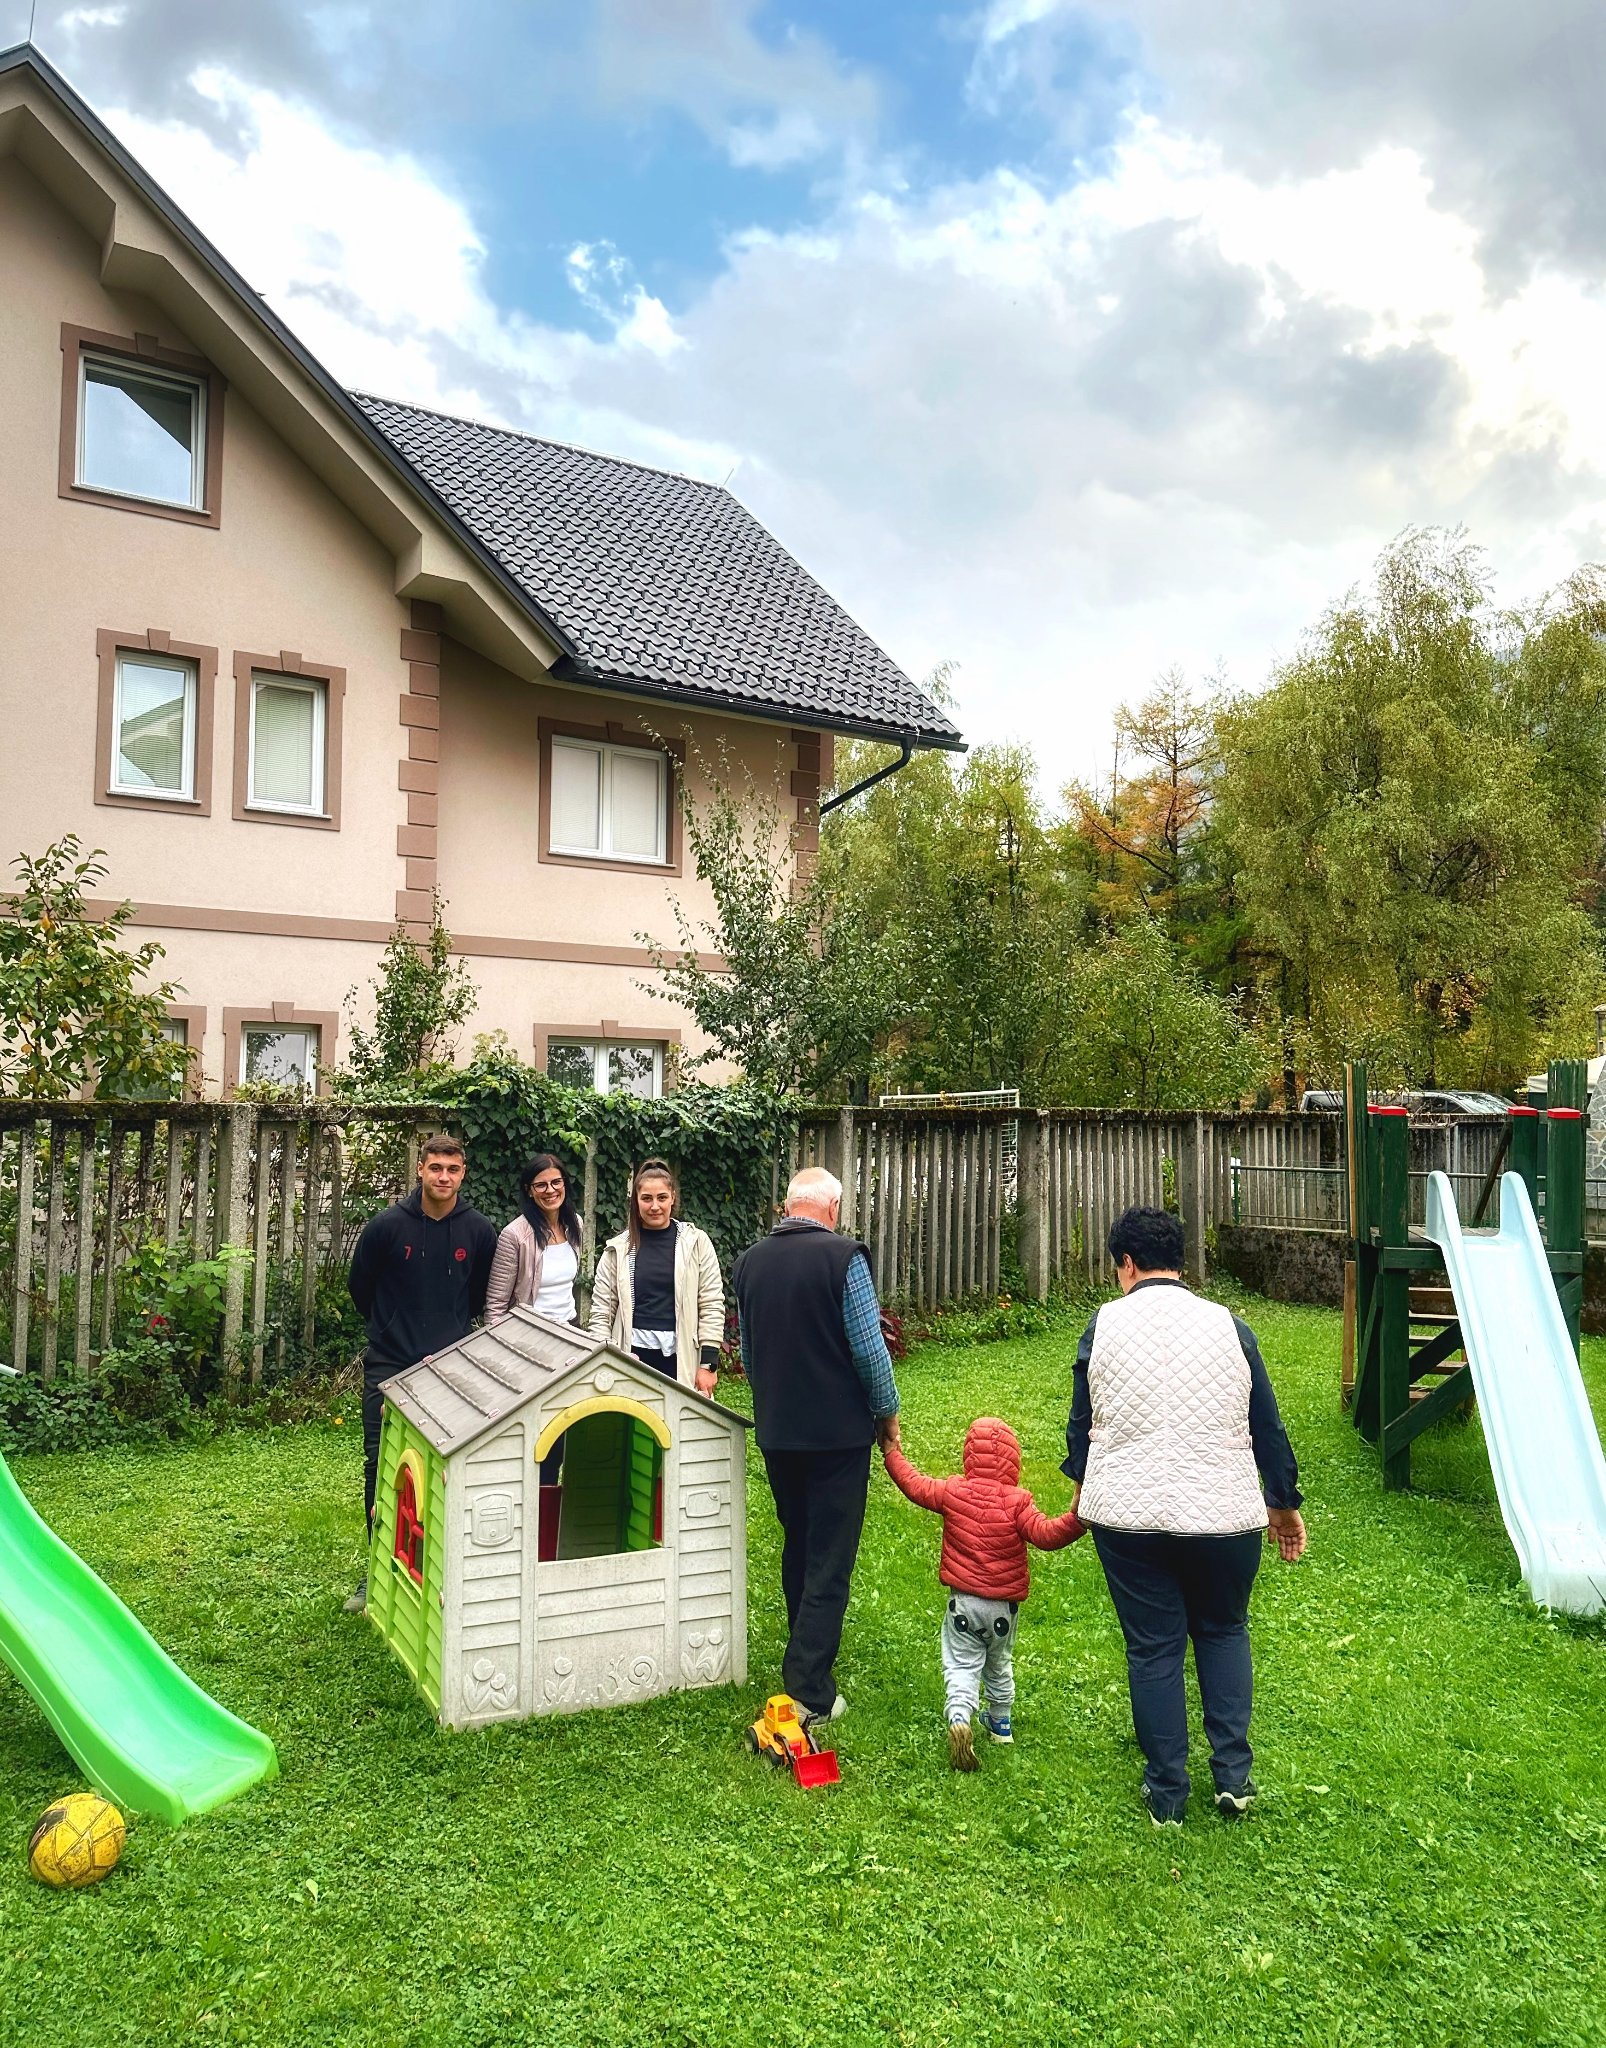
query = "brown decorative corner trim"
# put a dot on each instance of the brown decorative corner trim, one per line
(609, 1032)
(416, 842)
(424, 678)
(193, 1017)
(109, 643)
(334, 682)
(277, 1013)
(424, 711)
(138, 348)
(417, 645)
(612, 734)
(423, 743)
(422, 776)
(426, 615)
(423, 808)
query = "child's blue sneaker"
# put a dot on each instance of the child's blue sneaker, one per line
(997, 1726)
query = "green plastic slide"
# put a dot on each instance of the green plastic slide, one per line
(145, 1736)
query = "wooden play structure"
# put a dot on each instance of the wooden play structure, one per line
(624, 1577)
(1405, 1360)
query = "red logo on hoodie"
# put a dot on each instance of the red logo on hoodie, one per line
(461, 1252)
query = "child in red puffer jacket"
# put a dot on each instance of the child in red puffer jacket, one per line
(988, 1518)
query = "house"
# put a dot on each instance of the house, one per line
(297, 658)
(506, 1597)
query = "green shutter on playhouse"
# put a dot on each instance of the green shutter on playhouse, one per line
(409, 1615)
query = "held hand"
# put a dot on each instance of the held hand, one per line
(706, 1381)
(887, 1432)
(1285, 1527)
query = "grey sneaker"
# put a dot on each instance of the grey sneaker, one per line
(358, 1603)
(807, 1716)
(1235, 1803)
(961, 1746)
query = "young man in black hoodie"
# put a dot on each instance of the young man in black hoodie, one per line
(418, 1278)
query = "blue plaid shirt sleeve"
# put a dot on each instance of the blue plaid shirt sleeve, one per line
(861, 1318)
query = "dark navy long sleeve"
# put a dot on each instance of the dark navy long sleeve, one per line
(1274, 1454)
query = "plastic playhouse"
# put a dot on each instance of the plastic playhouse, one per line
(624, 1577)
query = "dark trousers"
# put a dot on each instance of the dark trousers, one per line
(819, 1503)
(1167, 1589)
(373, 1415)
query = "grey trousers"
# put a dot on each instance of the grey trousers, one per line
(978, 1645)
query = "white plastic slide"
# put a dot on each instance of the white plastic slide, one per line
(1543, 1445)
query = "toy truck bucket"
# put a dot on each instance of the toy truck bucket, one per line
(819, 1767)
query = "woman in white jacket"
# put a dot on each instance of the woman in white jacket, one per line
(657, 1291)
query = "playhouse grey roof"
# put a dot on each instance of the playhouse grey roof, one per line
(660, 583)
(454, 1397)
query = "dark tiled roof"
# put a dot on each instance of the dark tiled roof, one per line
(659, 581)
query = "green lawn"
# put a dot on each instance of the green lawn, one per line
(1427, 1864)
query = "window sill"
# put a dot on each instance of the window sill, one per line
(620, 865)
(265, 814)
(155, 800)
(150, 508)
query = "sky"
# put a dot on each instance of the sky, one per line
(1065, 343)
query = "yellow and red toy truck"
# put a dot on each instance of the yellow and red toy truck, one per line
(782, 1739)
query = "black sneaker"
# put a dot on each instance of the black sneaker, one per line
(358, 1603)
(1234, 1803)
(1164, 1814)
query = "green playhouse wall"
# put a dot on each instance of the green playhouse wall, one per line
(407, 1615)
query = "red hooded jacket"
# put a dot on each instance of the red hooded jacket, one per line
(988, 1517)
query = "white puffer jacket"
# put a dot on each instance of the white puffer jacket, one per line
(1169, 1449)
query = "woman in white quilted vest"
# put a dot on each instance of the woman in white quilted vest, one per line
(1180, 1461)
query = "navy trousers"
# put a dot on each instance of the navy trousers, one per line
(1168, 1590)
(819, 1502)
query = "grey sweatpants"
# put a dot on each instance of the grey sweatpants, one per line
(978, 1644)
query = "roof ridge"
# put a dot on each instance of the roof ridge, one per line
(462, 419)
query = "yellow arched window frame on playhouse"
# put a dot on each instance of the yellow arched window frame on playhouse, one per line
(613, 1464)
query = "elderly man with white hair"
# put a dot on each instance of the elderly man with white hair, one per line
(823, 1393)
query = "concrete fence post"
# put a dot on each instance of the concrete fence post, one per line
(841, 1157)
(1032, 1198)
(1193, 1191)
(232, 1224)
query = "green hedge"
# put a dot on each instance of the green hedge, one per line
(722, 1142)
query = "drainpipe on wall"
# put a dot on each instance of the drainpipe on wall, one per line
(906, 751)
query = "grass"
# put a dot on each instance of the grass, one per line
(1427, 1863)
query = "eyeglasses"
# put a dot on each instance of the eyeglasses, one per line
(547, 1187)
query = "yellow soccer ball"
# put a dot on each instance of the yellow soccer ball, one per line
(77, 1841)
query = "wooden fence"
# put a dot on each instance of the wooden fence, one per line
(947, 1200)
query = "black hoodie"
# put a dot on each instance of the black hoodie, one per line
(420, 1282)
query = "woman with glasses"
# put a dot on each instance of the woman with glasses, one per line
(538, 1255)
(657, 1291)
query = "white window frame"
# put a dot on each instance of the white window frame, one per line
(318, 689)
(314, 1038)
(142, 658)
(599, 1049)
(126, 367)
(606, 750)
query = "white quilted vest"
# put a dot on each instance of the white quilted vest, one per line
(1170, 1448)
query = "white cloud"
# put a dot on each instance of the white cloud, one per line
(1067, 435)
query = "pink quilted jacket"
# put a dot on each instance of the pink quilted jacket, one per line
(988, 1517)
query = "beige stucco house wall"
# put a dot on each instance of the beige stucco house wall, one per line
(319, 552)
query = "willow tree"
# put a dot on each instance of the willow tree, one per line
(1415, 809)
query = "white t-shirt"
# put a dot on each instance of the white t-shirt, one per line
(560, 1262)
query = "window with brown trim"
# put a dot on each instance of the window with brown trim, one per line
(288, 715)
(607, 798)
(280, 1045)
(141, 427)
(153, 726)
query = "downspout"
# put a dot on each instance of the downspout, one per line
(906, 751)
